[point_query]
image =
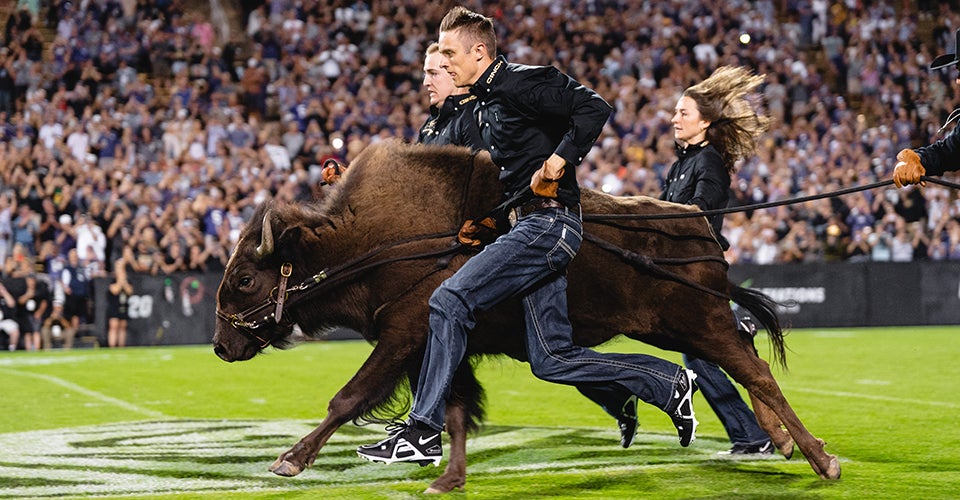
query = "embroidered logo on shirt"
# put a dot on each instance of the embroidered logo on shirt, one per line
(494, 72)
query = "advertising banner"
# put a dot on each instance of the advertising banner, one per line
(811, 295)
(163, 310)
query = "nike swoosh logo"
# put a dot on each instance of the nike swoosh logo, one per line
(423, 441)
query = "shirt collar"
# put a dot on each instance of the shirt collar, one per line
(490, 77)
(690, 149)
(451, 103)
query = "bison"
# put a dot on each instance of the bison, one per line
(371, 253)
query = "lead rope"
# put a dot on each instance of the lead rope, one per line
(760, 206)
(744, 208)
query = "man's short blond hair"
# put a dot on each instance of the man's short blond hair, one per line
(477, 27)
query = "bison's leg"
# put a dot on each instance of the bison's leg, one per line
(770, 423)
(743, 364)
(455, 475)
(373, 383)
(463, 413)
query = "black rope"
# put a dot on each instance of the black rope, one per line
(942, 182)
(652, 265)
(760, 206)
(329, 277)
(744, 208)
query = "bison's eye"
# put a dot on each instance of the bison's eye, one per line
(245, 282)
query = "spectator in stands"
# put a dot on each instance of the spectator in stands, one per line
(20, 263)
(173, 259)
(7, 81)
(75, 283)
(58, 327)
(254, 83)
(8, 323)
(6, 226)
(32, 307)
(49, 222)
(25, 228)
(118, 303)
(90, 238)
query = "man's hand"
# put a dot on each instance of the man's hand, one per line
(474, 234)
(546, 180)
(908, 169)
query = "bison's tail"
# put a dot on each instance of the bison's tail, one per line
(764, 311)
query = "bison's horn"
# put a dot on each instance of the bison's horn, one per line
(266, 238)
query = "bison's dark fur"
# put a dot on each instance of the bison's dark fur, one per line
(393, 192)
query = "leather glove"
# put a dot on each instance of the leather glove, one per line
(908, 169)
(543, 184)
(474, 234)
(330, 175)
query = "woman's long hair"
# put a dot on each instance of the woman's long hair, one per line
(734, 123)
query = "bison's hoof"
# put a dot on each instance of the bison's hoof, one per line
(283, 468)
(787, 449)
(447, 483)
(434, 491)
(833, 470)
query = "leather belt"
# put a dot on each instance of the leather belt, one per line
(538, 203)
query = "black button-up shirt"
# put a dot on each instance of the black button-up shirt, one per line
(452, 123)
(527, 113)
(699, 178)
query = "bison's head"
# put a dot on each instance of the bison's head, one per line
(246, 307)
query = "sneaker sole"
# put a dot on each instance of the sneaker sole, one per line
(422, 462)
(626, 443)
(691, 377)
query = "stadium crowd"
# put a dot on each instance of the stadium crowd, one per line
(133, 135)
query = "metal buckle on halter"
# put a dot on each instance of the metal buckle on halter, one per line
(285, 271)
(235, 320)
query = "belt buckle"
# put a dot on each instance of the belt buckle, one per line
(513, 216)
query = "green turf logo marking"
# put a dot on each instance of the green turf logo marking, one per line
(183, 456)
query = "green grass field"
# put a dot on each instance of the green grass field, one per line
(180, 423)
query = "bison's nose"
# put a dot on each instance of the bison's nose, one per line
(221, 353)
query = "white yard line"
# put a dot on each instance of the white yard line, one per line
(842, 394)
(87, 392)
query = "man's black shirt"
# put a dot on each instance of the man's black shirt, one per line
(527, 113)
(452, 123)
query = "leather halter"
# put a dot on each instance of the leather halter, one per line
(275, 299)
(272, 308)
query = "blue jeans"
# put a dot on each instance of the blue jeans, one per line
(530, 262)
(736, 417)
